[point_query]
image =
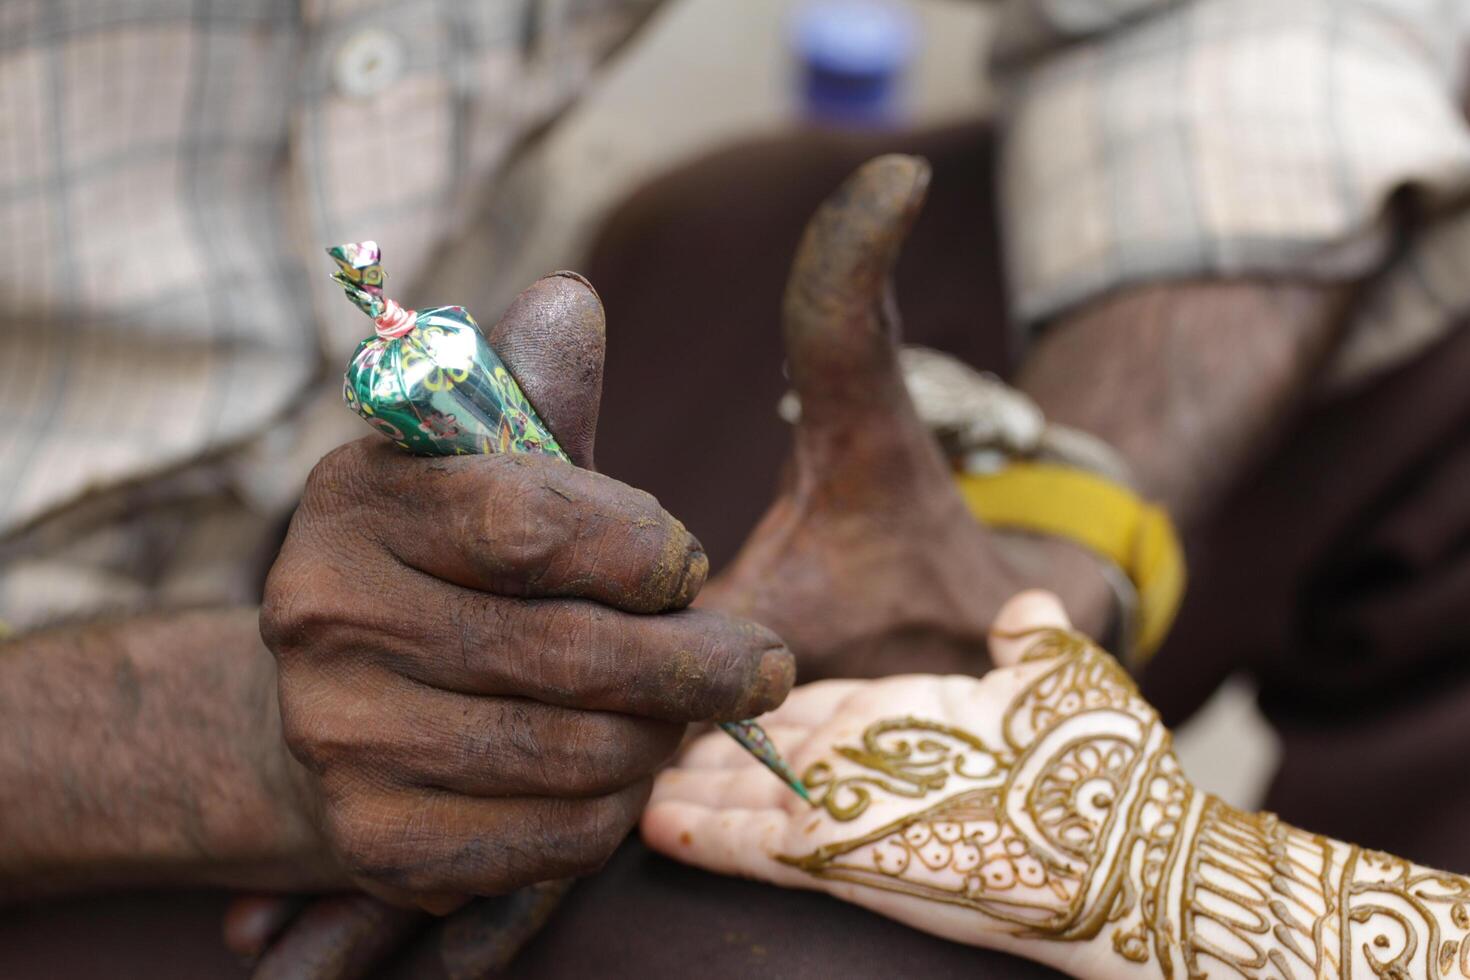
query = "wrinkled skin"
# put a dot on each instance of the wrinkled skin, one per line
(709, 811)
(468, 672)
(867, 563)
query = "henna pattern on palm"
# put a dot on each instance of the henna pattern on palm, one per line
(1082, 825)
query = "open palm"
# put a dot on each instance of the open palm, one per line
(988, 811)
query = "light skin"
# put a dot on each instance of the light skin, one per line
(1040, 810)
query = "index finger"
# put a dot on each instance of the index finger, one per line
(526, 526)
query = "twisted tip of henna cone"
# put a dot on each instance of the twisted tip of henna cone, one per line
(360, 274)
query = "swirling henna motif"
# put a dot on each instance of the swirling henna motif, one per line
(1025, 846)
(1083, 823)
(911, 767)
(1078, 789)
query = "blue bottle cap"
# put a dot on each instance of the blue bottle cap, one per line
(852, 53)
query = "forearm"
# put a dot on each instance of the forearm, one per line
(1188, 381)
(1246, 895)
(1332, 909)
(1182, 884)
(147, 752)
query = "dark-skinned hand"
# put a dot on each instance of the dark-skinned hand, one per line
(868, 563)
(471, 672)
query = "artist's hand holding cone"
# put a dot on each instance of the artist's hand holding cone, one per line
(553, 341)
(868, 562)
(868, 559)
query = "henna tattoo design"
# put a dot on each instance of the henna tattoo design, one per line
(1083, 824)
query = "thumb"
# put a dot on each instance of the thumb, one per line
(552, 338)
(841, 328)
(839, 317)
(1012, 633)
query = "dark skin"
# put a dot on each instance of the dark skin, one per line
(518, 735)
(147, 753)
(873, 573)
(456, 706)
(868, 562)
(1188, 381)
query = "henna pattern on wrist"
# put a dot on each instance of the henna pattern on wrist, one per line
(1082, 824)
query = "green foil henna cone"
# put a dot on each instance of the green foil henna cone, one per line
(429, 380)
(432, 383)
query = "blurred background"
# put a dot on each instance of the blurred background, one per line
(706, 74)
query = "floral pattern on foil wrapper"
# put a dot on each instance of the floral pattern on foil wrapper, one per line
(441, 390)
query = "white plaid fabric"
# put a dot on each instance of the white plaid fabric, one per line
(1149, 139)
(169, 173)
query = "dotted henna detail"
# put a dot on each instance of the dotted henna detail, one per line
(1082, 824)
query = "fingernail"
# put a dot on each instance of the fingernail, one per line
(774, 677)
(696, 568)
(578, 277)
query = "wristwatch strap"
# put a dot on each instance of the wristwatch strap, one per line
(1102, 516)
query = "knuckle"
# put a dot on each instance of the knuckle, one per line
(723, 667)
(355, 833)
(517, 535)
(509, 738)
(555, 750)
(571, 656)
(598, 826)
(367, 845)
(301, 605)
(670, 563)
(277, 625)
(642, 509)
(592, 756)
(509, 861)
(376, 839)
(718, 673)
(520, 550)
(313, 735)
(336, 472)
(281, 606)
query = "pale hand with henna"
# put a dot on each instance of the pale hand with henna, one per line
(1041, 810)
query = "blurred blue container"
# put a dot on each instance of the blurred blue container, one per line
(853, 55)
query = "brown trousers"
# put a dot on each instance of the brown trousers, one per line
(1338, 576)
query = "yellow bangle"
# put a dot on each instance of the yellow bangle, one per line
(1104, 517)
